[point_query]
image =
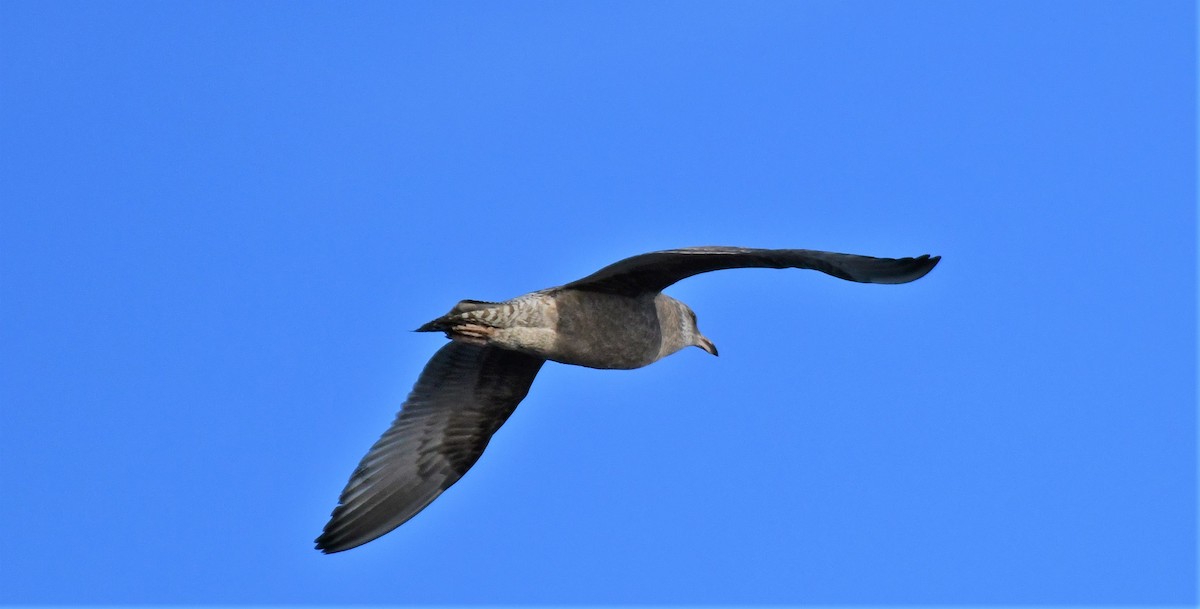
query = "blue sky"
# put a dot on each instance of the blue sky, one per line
(221, 222)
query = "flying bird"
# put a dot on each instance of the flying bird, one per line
(615, 318)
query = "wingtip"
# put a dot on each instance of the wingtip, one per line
(332, 540)
(325, 545)
(929, 262)
(917, 267)
(320, 545)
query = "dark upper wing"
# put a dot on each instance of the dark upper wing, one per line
(462, 397)
(656, 270)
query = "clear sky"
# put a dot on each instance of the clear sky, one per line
(222, 220)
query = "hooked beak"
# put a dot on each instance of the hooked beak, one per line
(707, 345)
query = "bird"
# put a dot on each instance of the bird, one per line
(615, 318)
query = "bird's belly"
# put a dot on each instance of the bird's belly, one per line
(604, 361)
(612, 333)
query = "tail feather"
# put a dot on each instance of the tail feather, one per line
(445, 322)
(441, 324)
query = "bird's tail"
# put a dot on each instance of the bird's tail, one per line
(440, 324)
(455, 317)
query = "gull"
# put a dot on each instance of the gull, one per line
(615, 318)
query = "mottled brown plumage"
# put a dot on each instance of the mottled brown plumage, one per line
(616, 318)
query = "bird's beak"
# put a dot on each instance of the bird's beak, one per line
(707, 345)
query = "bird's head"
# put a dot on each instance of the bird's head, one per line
(692, 333)
(679, 327)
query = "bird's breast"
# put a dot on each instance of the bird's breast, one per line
(605, 330)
